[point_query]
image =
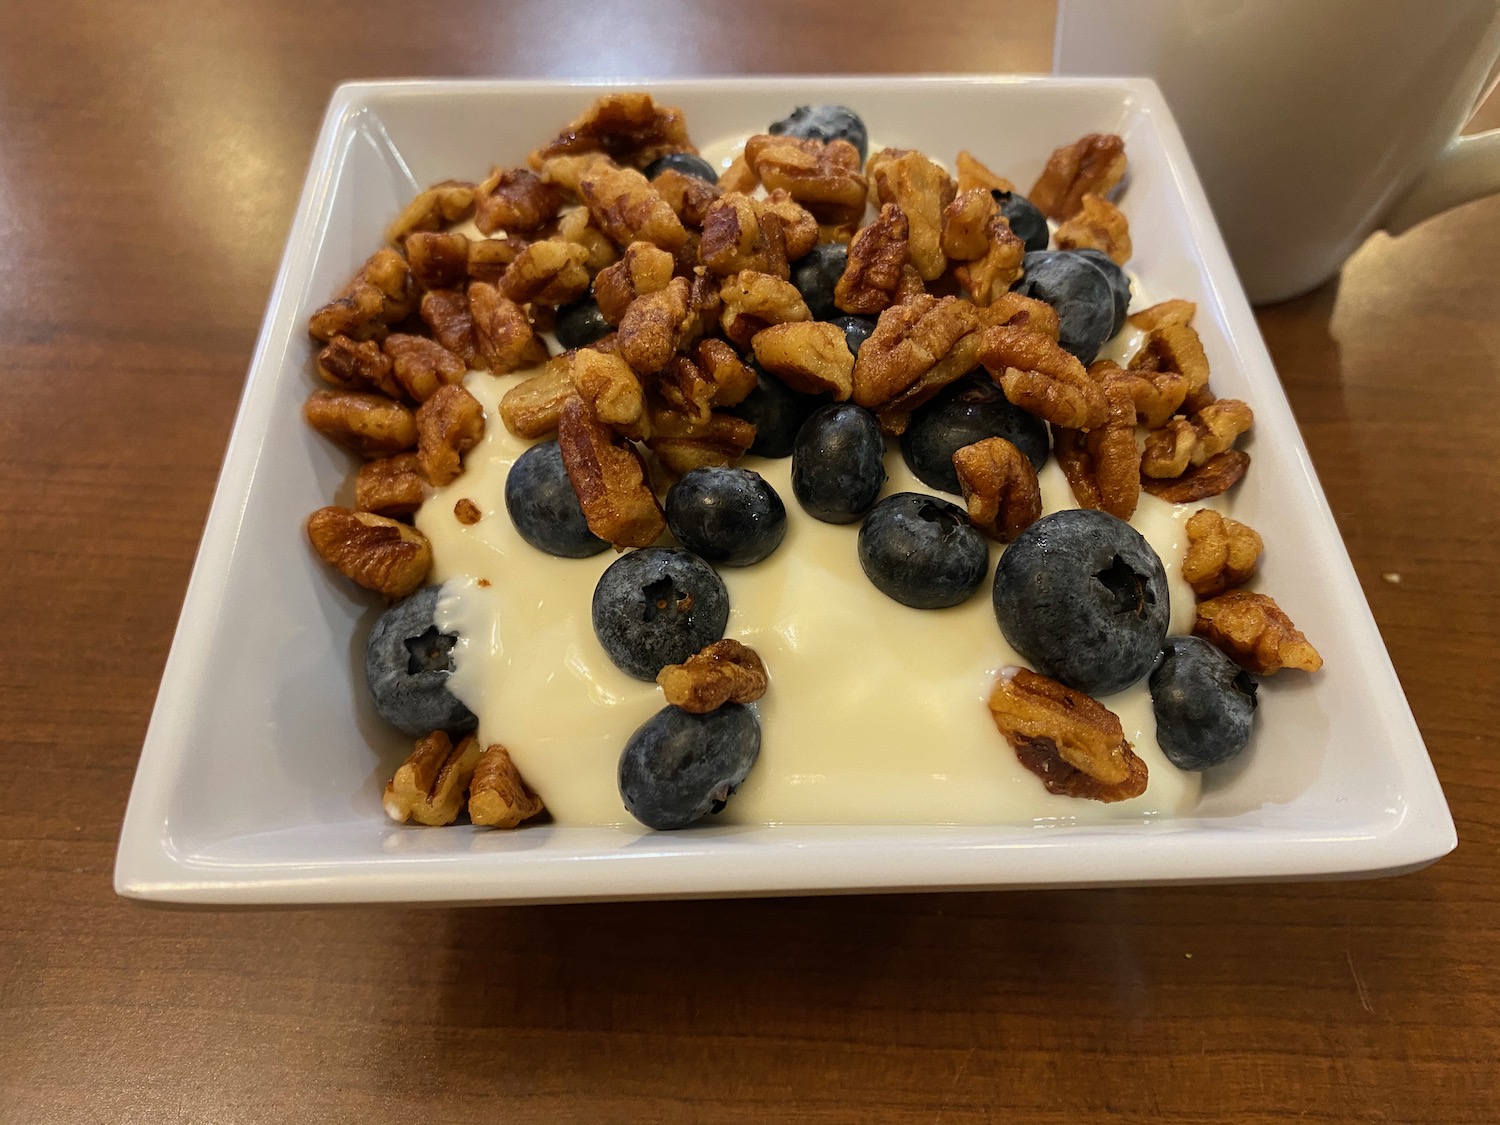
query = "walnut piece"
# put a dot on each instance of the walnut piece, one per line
(451, 201)
(642, 269)
(357, 365)
(739, 234)
(1191, 442)
(627, 208)
(515, 200)
(467, 512)
(823, 177)
(379, 295)
(799, 228)
(577, 226)
(966, 225)
(610, 389)
(973, 174)
(1036, 374)
(446, 313)
(1094, 164)
(1176, 348)
(392, 486)
(873, 271)
(552, 272)
(723, 672)
(739, 176)
(378, 553)
(1176, 311)
(531, 408)
(1221, 553)
(911, 341)
(1098, 225)
(498, 796)
(922, 190)
(487, 259)
(429, 786)
(655, 325)
(732, 380)
(682, 444)
(449, 424)
(609, 477)
(1254, 632)
(439, 260)
(421, 365)
(753, 301)
(812, 357)
(1073, 743)
(1215, 476)
(989, 278)
(1000, 488)
(370, 425)
(688, 196)
(628, 127)
(503, 336)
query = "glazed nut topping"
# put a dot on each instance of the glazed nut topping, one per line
(724, 672)
(990, 276)
(627, 208)
(392, 486)
(449, 424)
(467, 512)
(546, 273)
(610, 389)
(1036, 374)
(740, 234)
(1215, 476)
(682, 444)
(655, 326)
(823, 178)
(440, 259)
(1103, 465)
(687, 195)
(515, 200)
(1176, 348)
(378, 553)
(503, 336)
(922, 190)
(628, 126)
(357, 365)
(531, 408)
(1222, 553)
(1000, 488)
(799, 229)
(966, 225)
(1074, 744)
(448, 202)
(1091, 165)
(973, 174)
(1098, 225)
(379, 295)
(753, 301)
(498, 796)
(1012, 310)
(810, 357)
(877, 258)
(447, 316)
(910, 341)
(609, 478)
(721, 365)
(371, 425)
(1252, 630)
(642, 269)
(421, 366)
(1164, 313)
(429, 786)
(1184, 443)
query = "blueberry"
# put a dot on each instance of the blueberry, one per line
(544, 507)
(688, 163)
(856, 330)
(580, 323)
(970, 410)
(922, 551)
(658, 606)
(1080, 292)
(777, 413)
(727, 516)
(817, 273)
(1026, 220)
(838, 463)
(678, 767)
(1083, 597)
(407, 663)
(825, 123)
(1204, 704)
(1119, 285)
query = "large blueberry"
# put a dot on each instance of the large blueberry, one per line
(1026, 220)
(679, 767)
(922, 551)
(580, 323)
(1119, 284)
(1204, 704)
(825, 123)
(1080, 292)
(777, 413)
(544, 507)
(970, 410)
(689, 164)
(1083, 597)
(838, 463)
(815, 275)
(658, 606)
(725, 515)
(407, 663)
(856, 329)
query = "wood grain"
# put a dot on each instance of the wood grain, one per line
(150, 155)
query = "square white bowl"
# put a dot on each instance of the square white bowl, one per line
(261, 774)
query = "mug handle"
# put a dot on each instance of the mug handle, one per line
(1467, 168)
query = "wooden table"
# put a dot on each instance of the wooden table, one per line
(150, 156)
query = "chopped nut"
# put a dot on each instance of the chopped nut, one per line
(990, 277)
(681, 444)
(972, 174)
(1037, 375)
(1094, 164)
(799, 228)
(895, 413)
(1164, 313)
(378, 296)
(378, 553)
(811, 357)
(467, 512)
(498, 796)
(739, 176)
(1000, 488)
(421, 365)
(1098, 225)
(1103, 466)
(910, 341)
(357, 365)
(438, 260)
(732, 380)
(1176, 348)
(448, 202)
(610, 389)
(738, 234)
(1016, 311)
(626, 207)
(654, 326)
(1071, 449)
(392, 486)
(449, 424)
(370, 425)
(515, 200)
(688, 196)
(503, 336)
(1073, 743)
(873, 271)
(1156, 394)
(577, 226)
(1168, 450)
(1222, 553)
(966, 225)
(1254, 632)
(609, 478)
(1184, 442)
(489, 258)
(546, 273)
(724, 672)
(531, 408)
(429, 786)
(823, 178)
(446, 313)
(643, 269)
(627, 126)
(922, 190)
(753, 301)
(1218, 474)
(685, 388)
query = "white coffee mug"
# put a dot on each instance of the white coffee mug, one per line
(1311, 122)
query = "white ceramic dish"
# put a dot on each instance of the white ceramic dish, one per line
(262, 770)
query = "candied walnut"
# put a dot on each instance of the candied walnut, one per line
(357, 365)
(1000, 488)
(1176, 311)
(739, 235)
(723, 672)
(1157, 394)
(1221, 553)
(628, 127)
(467, 512)
(489, 258)
(685, 388)
(922, 190)
(989, 278)
(911, 341)
(972, 174)
(370, 425)
(531, 408)
(429, 786)
(823, 178)
(438, 260)
(1217, 475)
(1073, 743)
(1168, 450)
(1254, 632)
(392, 486)
(873, 271)
(610, 389)
(448, 202)
(1176, 348)
(515, 200)
(1181, 443)
(552, 272)
(656, 325)
(1091, 165)
(799, 228)
(753, 301)
(681, 444)
(1037, 375)
(809, 356)
(446, 313)
(1219, 425)
(449, 424)
(577, 226)
(378, 296)
(626, 207)
(688, 196)
(503, 337)
(732, 380)
(609, 477)
(643, 269)
(498, 796)
(1098, 225)
(739, 176)
(1016, 311)
(421, 365)
(378, 553)
(966, 225)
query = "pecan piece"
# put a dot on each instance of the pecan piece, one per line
(738, 234)
(1169, 450)
(577, 226)
(609, 477)
(628, 127)
(1073, 743)
(532, 407)
(873, 271)
(1254, 632)
(910, 341)
(1116, 461)
(446, 313)
(685, 388)
(498, 796)
(489, 258)
(682, 444)
(392, 486)
(378, 553)
(753, 301)
(966, 225)
(357, 365)
(1016, 311)
(799, 229)
(421, 365)
(723, 672)
(448, 202)
(1183, 442)
(809, 356)
(1216, 475)
(1176, 311)
(449, 424)
(610, 389)
(370, 425)
(1037, 375)
(973, 174)
(654, 326)
(732, 380)
(1176, 348)
(1071, 448)
(551, 272)
(643, 269)
(467, 512)
(378, 296)
(429, 786)
(922, 190)
(1000, 488)
(503, 335)
(989, 278)
(515, 200)
(438, 260)
(1221, 553)
(626, 207)
(1093, 164)
(739, 176)
(688, 196)
(1156, 394)
(823, 177)
(1098, 225)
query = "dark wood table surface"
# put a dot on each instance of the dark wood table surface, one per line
(151, 152)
